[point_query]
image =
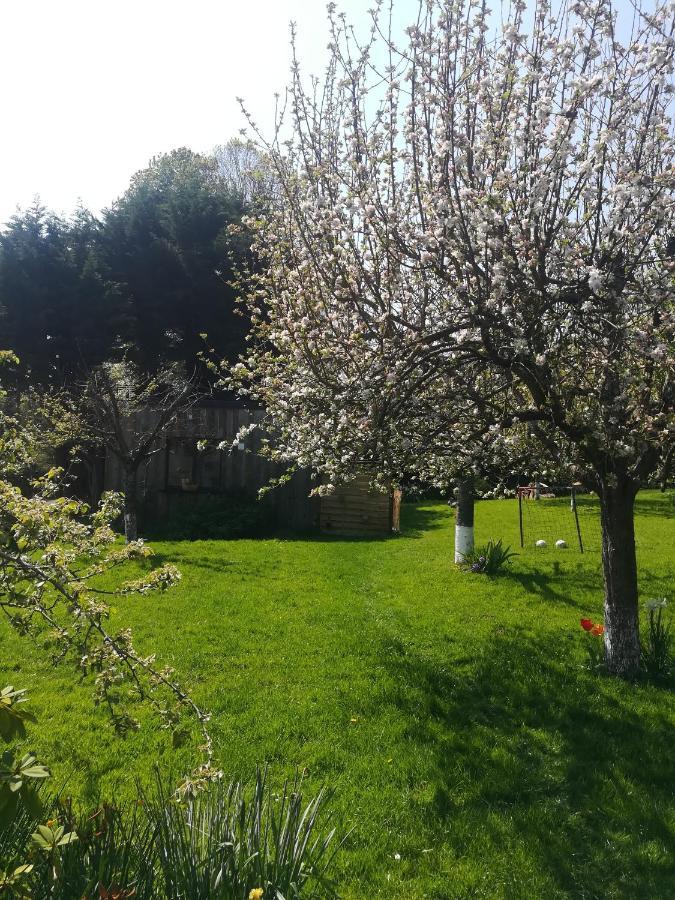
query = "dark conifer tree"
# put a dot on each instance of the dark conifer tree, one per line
(166, 245)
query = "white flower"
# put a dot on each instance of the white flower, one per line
(511, 34)
(660, 603)
(540, 543)
(594, 280)
(202, 445)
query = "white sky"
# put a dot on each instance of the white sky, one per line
(92, 89)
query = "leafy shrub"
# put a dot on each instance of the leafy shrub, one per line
(656, 649)
(489, 559)
(20, 803)
(19, 773)
(224, 842)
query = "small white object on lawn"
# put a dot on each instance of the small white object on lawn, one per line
(540, 543)
(561, 544)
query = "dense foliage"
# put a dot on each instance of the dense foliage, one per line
(165, 240)
(148, 278)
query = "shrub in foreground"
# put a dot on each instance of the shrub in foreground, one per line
(225, 842)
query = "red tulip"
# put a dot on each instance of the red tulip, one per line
(586, 624)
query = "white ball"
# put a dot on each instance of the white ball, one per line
(561, 544)
(540, 543)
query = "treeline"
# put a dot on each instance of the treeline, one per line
(144, 280)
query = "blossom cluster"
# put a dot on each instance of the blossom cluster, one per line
(469, 262)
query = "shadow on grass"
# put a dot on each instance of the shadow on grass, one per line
(547, 586)
(416, 520)
(649, 504)
(552, 585)
(573, 772)
(190, 558)
(662, 506)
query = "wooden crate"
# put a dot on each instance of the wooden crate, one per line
(355, 508)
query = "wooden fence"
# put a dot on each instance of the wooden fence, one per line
(178, 474)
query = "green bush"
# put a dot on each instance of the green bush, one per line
(220, 843)
(489, 559)
(19, 773)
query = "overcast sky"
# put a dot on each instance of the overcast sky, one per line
(92, 89)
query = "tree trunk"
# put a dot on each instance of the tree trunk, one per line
(665, 471)
(622, 638)
(464, 520)
(129, 488)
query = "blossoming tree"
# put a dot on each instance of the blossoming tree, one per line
(54, 551)
(471, 259)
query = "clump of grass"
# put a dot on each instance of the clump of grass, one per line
(489, 559)
(225, 842)
(656, 649)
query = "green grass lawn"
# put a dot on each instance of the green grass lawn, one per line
(451, 713)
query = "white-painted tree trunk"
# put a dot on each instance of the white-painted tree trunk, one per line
(463, 541)
(464, 521)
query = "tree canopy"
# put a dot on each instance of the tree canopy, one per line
(471, 258)
(58, 308)
(144, 280)
(165, 241)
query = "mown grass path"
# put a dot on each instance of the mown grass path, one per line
(451, 713)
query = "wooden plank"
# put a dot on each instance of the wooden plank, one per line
(360, 510)
(356, 508)
(333, 523)
(372, 521)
